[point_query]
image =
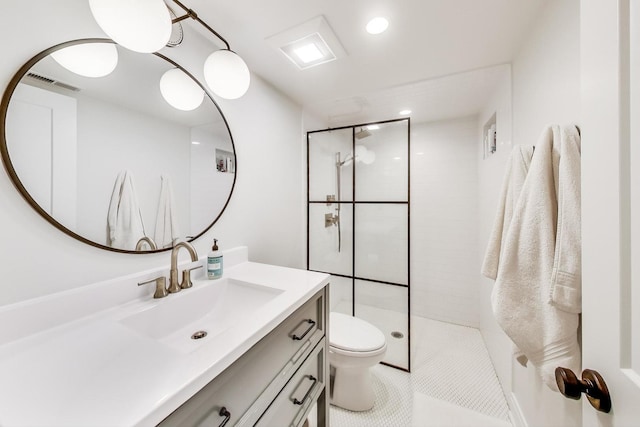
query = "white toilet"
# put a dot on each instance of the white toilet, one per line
(354, 347)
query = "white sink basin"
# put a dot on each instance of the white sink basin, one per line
(213, 307)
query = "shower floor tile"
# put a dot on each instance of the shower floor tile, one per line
(452, 378)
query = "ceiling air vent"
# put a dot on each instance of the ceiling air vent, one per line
(48, 81)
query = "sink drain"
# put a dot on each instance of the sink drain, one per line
(397, 334)
(198, 335)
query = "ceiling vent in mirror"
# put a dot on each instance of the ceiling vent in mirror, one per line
(33, 77)
(309, 44)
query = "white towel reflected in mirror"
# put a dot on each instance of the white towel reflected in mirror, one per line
(124, 220)
(166, 231)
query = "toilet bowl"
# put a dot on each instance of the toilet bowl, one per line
(354, 347)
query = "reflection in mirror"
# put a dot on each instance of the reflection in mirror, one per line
(108, 160)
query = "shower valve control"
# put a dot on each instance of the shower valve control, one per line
(330, 219)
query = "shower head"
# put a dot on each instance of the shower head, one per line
(363, 133)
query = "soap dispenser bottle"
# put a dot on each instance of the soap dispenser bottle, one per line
(214, 262)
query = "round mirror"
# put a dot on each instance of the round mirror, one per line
(117, 160)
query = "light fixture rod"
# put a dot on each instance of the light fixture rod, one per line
(190, 13)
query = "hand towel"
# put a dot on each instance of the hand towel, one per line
(521, 301)
(124, 220)
(166, 231)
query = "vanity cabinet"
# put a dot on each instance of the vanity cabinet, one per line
(275, 383)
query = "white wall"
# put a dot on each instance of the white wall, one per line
(490, 175)
(209, 187)
(546, 90)
(154, 147)
(265, 212)
(444, 194)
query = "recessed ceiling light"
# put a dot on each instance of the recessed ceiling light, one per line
(308, 44)
(308, 53)
(377, 25)
(195, 142)
(404, 112)
(373, 127)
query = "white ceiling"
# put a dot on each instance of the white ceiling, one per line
(431, 48)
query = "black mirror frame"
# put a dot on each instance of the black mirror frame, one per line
(6, 160)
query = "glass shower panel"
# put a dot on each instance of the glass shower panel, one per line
(382, 163)
(381, 242)
(330, 167)
(341, 295)
(386, 307)
(358, 225)
(331, 242)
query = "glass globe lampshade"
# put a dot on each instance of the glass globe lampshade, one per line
(139, 25)
(88, 60)
(180, 91)
(369, 157)
(227, 74)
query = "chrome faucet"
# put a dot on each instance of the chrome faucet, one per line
(174, 286)
(149, 241)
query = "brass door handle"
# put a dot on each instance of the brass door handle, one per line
(592, 384)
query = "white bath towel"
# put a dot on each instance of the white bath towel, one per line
(514, 177)
(524, 296)
(566, 279)
(166, 222)
(124, 220)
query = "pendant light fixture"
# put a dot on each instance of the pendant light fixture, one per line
(145, 26)
(226, 74)
(180, 91)
(88, 60)
(139, 25)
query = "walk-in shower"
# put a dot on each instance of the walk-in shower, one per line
(361, 155)
(358, 224)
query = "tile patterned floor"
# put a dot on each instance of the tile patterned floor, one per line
(450, 363)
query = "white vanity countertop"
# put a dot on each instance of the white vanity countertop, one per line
(94, 371)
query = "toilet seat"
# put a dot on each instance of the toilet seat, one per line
(356, 337)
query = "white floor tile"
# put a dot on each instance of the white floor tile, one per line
(451, 370)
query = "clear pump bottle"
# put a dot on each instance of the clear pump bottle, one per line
(214, 262)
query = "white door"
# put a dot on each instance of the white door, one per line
(610, 64)
(42, 143)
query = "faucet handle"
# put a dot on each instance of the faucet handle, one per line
(161, 286)
(186, 277)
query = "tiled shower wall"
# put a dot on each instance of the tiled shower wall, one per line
(444, 247)
(444, 195)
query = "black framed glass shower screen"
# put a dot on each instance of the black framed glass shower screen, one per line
(358, 200)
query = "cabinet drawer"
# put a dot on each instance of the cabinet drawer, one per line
(259, 374)
(294, 402)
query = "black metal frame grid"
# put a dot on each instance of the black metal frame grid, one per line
(353, 203)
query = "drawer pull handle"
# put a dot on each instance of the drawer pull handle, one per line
(311, 323)
(226, 414)
(313, 384)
